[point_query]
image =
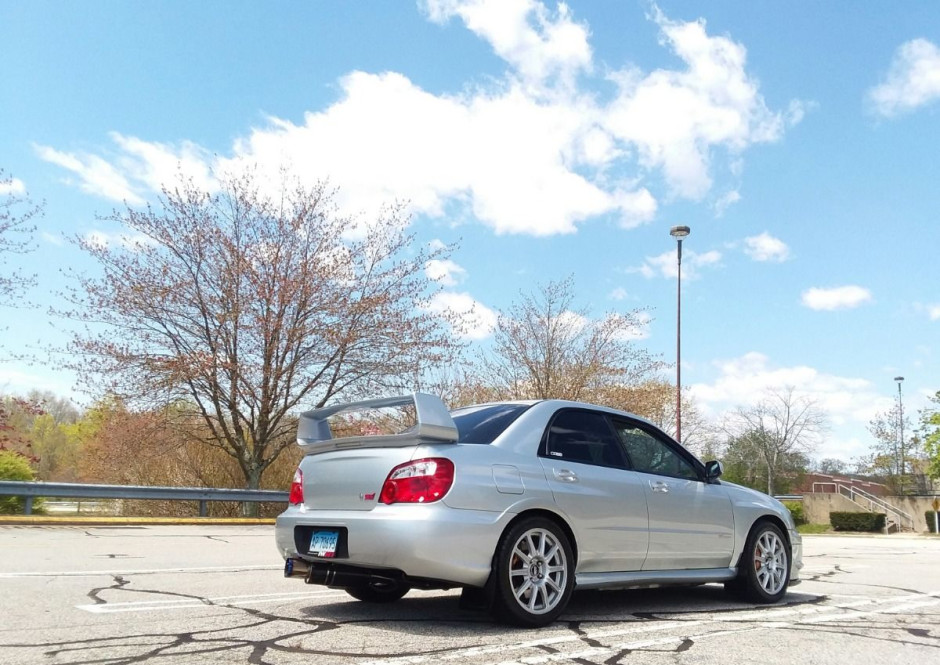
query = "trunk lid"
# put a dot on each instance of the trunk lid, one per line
(349, 479)
(348, 472)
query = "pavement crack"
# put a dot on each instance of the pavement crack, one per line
(119, 583)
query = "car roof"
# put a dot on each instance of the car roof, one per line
(556, 404)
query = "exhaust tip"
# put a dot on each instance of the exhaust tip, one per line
(296, 568)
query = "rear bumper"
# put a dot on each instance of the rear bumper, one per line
(431, 542)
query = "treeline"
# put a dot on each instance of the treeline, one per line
(46, 437)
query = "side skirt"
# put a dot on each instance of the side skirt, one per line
(644, 578)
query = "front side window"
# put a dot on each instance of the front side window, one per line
(650, 454)
(585, 437)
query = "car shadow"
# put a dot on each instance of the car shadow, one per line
(441, 612)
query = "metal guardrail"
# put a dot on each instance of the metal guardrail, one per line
(31, 490)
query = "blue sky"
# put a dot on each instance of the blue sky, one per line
(799, 143)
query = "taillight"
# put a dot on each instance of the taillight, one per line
(297, 489)
(420, 481)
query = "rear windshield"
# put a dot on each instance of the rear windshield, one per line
(482, 424)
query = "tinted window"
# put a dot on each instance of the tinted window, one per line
(583, 436)
(482, 424)
(650, 454)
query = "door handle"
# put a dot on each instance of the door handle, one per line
(660, 487)
(566, 475)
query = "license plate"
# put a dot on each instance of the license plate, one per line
(323, 543)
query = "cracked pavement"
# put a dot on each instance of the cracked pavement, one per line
(215, 594)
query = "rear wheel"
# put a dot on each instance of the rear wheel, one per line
(386, 592)
(534, 570)
(764, 572)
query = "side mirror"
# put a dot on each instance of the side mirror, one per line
(713, 470)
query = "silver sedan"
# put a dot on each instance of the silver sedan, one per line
(520, 504)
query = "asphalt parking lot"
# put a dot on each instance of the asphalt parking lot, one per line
(215, 594)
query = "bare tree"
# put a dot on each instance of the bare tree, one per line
(16, 231)
(251, 308)
(544, 348)
(892, 456)
(779, 427)
(832, 466)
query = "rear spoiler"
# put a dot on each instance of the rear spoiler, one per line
(434, 425)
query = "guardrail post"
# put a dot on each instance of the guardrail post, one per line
(203, 508)
(28, 509)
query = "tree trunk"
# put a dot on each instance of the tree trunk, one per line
(253, 480)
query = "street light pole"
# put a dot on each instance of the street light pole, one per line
(679, 232)
(899, 379)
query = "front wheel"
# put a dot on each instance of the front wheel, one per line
(534, 568)
(764, 572)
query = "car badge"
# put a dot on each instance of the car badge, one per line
(367, 497)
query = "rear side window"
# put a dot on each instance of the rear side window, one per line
(482, 424)
(585, 437)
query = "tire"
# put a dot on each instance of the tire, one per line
(764, 570)
(534, 569)
(384, 593)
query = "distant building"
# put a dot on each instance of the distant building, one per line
(824, 483)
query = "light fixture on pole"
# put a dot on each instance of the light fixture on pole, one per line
(899, 379)
(679, 232)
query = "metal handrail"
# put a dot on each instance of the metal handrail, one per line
(30, 490)
(873, 500)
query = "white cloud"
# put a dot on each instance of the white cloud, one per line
(12, 186)
(931, 310)
(98, 176)
(479, 320)
(765, 247)
(444, 271)
(726, 201)
(842, 297)
(619, 293)
(912, 81)
(797, 110)
(20, 379)
(676, 118)
(666, 264)
(433, 150)
(539, 45)
(849, 403)
(53, 239)
(158, 164)
(536, 152)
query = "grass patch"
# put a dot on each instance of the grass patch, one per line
(814, 528)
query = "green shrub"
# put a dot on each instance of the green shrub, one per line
(857, 521)
(14, 466)
(929, 516)
(796, 510)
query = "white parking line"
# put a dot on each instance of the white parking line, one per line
(143, 571)
(221, 601)
(782, 617)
